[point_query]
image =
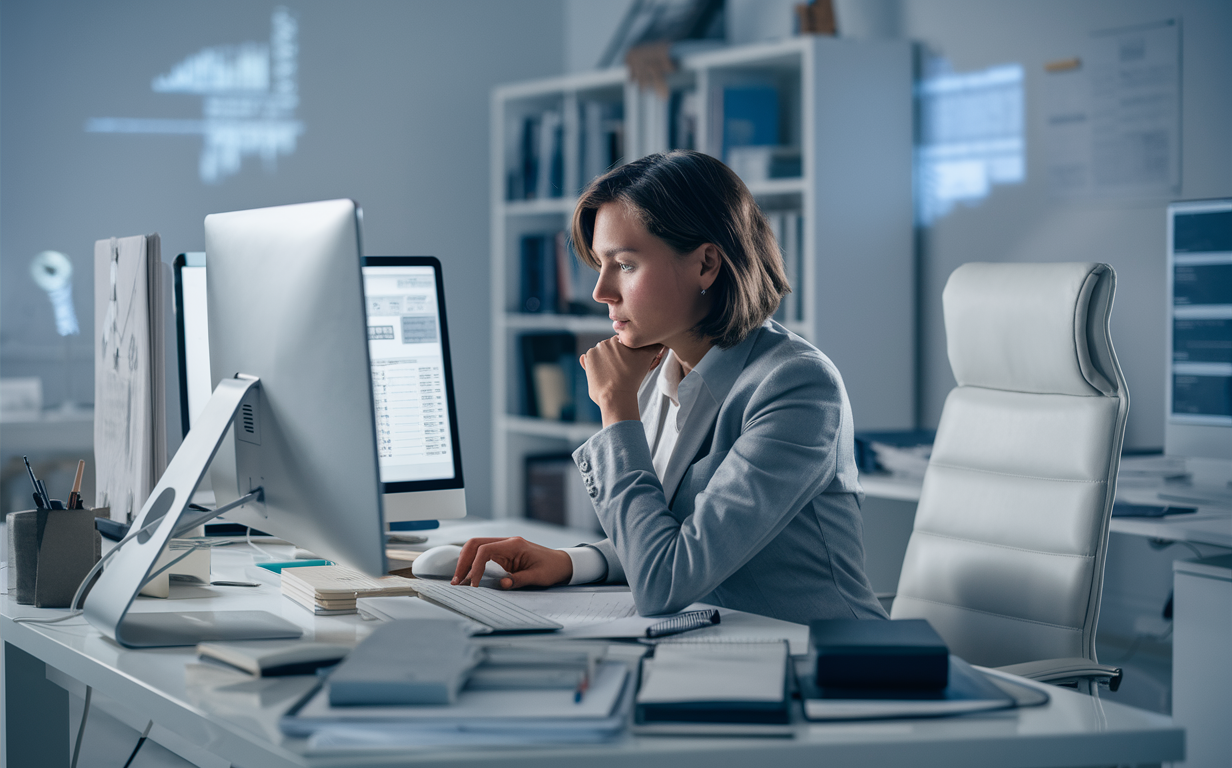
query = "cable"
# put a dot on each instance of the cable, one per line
(81, 729)
(74, 610)
(40, 620)
(253, 544)
(150, 526)
(162, 570)
(140, 742)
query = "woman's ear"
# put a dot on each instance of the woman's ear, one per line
(711, 260)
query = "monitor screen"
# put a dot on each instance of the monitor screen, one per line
(1199, 338)
(408, 341)
(414, 441)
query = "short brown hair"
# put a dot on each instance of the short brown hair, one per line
(688, 199)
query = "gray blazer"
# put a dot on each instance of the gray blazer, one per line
(760, 505)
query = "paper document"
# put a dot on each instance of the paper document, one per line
(476, 709)
(129, 387)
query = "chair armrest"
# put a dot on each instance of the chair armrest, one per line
(1061, 670)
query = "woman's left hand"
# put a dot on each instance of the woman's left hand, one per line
(614, 373)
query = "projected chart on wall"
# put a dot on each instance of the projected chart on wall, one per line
(249, 95)
(971, 136)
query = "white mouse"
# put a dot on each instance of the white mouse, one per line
(441, 562)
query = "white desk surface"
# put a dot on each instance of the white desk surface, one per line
(1211, 524)
(235, 717)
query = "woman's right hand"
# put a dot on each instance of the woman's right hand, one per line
(528, 564)
(614, 373)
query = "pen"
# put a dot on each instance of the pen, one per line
(582, 686)
(74, 497)
(39, 494)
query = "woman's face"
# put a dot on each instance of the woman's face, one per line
(653, 295)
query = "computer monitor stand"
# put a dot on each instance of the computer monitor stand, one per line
(165, 515)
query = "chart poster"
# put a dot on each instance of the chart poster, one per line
(1113, 115)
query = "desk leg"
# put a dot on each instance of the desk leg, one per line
(35, 713)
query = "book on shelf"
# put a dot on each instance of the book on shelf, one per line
(602, 138)
(750, 117)
(539, 285)
(538, 172)
(787, 227)
(552, 279)
(555, 493)
(684, 117)
(333, 589)
(554, 382)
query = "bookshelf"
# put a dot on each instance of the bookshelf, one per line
(821, 130)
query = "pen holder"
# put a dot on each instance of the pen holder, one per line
(49, 552)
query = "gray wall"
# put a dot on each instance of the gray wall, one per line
(1026, 223)
(395, 99)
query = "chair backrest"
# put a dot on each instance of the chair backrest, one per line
(1006, 559)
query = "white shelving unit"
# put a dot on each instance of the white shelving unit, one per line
(847, 107)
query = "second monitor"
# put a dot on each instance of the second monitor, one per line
(417, 425)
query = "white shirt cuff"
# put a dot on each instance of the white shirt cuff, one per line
(589, 565)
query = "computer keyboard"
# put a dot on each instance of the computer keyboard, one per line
(484, 606)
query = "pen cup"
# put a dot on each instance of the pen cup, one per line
(49, 552)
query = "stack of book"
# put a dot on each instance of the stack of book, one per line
(333, 589)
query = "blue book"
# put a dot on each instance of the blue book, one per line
(750, 117)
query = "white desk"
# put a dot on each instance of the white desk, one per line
(890, 510)
(218, 717)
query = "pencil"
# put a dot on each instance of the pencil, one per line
(74, 498)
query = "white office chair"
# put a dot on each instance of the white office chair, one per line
(1006, 559)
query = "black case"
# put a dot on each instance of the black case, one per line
(855, 653)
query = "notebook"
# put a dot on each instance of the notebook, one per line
(703, 682)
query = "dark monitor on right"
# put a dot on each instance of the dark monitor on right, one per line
(1198, 392)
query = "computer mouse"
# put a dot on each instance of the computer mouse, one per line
(440, 563)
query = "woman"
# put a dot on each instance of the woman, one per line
(725, 470)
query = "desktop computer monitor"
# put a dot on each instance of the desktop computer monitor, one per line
(1198, 389)
(289, 347)
(408, 339)
(285, 302)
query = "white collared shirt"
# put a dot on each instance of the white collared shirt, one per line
(679, 393)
